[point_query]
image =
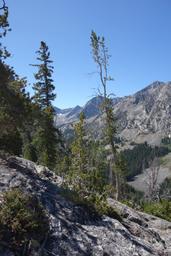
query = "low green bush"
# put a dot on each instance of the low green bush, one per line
(160, 209)
(22, 221)
(95, 204)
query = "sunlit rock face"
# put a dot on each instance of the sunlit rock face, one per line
(144, 116)
(74, 229)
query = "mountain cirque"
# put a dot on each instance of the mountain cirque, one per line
(144, 116)
(74, 231)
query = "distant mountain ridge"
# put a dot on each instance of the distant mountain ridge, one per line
(143, 116)
(67, 116)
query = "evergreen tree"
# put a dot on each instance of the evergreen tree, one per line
(13, 109)
(46, 139)
(101, 57)
(87, 171)
(4, 28)
(29, 128)
(79, 156)
(44, 86)
(13, 99)
(79, 146)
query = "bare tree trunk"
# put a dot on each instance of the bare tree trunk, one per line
(152, 180)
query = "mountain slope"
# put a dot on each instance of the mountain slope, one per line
(144, 116)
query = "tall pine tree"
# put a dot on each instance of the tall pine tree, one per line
(46, 137)
(44, 88)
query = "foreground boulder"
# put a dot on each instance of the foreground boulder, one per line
(73, 229)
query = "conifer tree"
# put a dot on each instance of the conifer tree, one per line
(87, 171)
(44, 88)
(13, 98)
(4, 28)
(79, 155)
(79, 146)
(46, 137)
(101, 57)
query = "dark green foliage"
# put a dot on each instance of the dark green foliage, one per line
(96, 204)
(87, 174)
(46, 138)
(79, 147)
(110, 126)
(45, 141)
(63, 164)
(11, 143)
(166, 141)
(13, 98)
(29, 152)
(165, 189)
(4, 28)
(13, 109)
(140, 158)
(44, 86)
(101, 206)
(28, 128)
(160, 209)
(99, 165)
(22, 220)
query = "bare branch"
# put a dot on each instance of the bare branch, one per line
(92, 73)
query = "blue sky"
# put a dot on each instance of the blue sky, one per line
(137, 33)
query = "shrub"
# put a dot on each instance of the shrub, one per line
(29, 152)
(95, 204)
(160, 209)
(22, 220)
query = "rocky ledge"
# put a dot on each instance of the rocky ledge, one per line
(73, 230)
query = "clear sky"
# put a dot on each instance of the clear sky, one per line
(137, 33)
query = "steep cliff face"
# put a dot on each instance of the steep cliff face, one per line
(73, 229)
(144, 116)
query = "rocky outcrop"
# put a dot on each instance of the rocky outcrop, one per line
(151, 229)
(74, 229)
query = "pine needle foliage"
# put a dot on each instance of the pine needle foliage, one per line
(44, 87)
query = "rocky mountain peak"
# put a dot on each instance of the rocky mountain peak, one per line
(143, 116)
(151, 91)
(92, 107)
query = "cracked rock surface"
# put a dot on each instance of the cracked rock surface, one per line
(74, 230)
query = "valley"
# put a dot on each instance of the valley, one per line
(142, 117)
